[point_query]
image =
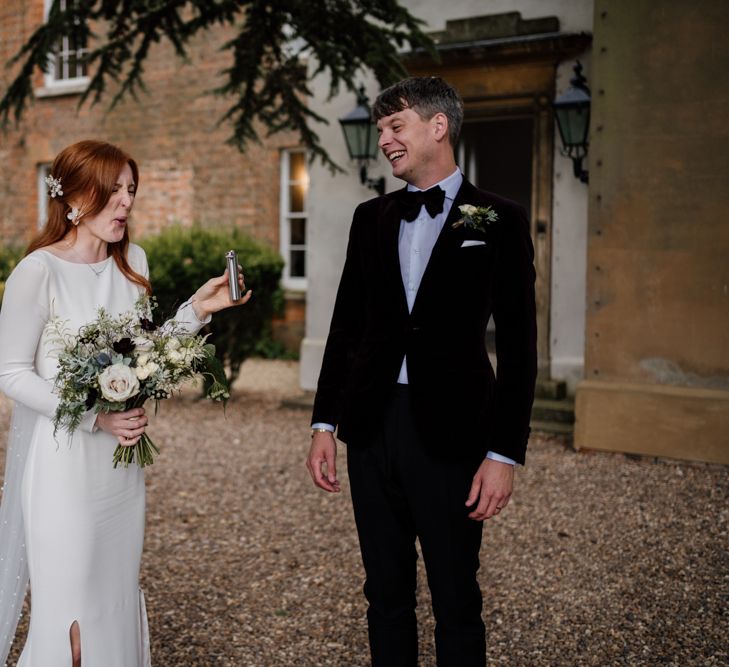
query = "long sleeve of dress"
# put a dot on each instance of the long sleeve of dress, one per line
(185, 318)
(24, 314)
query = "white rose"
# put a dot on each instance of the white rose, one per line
(467, 209)
(143, 372)
(143, 344)
(142, 360)
(172, 344)
(174, 356)
(118, 383)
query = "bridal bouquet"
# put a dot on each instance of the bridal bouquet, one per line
(118, 363)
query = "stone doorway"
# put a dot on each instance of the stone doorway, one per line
(504, 67)
(495, 154)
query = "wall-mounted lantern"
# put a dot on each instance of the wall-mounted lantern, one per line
(360, 133)
(572, 111)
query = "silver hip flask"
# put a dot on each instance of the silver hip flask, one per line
(232, 262)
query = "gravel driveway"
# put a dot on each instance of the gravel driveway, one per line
(600, 559)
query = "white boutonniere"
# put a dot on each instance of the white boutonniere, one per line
(476, 217)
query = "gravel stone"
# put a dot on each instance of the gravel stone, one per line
(600, 559)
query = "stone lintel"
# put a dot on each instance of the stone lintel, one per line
(553, 47)
(493, 26)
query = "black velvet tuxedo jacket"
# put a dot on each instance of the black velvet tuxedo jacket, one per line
(461, 408)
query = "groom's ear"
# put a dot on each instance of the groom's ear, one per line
(439, 123)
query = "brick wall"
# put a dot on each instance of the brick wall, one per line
(187, 172)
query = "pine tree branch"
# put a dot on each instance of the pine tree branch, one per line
(278, 48)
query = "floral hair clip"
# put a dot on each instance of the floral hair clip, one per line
(54, 186)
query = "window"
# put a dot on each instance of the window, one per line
(294, 190)
(43, 171)
(67, 72)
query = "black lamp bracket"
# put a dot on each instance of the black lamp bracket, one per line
(578, 171)
(577, 156)
(376, 184)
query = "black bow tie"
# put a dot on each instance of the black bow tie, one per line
(411, 201)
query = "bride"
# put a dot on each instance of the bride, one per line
(69, 520)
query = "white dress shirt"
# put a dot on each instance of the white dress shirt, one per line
(415, 244)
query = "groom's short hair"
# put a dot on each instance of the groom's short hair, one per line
(427, 96)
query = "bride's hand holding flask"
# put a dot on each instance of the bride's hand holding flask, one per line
(215, 295)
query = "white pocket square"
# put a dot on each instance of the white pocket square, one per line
(468, 244)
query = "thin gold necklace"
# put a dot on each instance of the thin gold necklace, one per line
(77, 256)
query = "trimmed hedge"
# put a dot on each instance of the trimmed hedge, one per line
(181, 259)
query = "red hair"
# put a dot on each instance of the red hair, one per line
(88, 171)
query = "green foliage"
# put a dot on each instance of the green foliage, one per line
(267, 348)
(279, 47)
(9, 257)
(181, 259)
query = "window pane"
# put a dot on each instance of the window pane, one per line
(58, 65)
(69, 53)
(297, 166)
(297, 194)
(297, 264)
(298, 231)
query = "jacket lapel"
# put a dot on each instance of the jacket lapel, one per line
(389, 237)
(449, 240)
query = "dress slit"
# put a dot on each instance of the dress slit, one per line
(74, 661)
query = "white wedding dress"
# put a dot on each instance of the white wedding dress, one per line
(83, 520)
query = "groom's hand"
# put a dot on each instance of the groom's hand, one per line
(323, 452)
(491, 487)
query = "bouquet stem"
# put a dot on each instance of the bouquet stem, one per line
(143, 452)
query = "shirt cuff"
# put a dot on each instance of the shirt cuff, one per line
(501, 459)
(323, 425)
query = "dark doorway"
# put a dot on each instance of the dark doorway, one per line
(495, 154)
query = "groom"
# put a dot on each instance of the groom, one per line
(433, 433)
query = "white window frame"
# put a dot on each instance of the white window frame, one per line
(296, 283)
(43, 170)
(52, 84)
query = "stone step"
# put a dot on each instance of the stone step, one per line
(550, 410)
(552, 428)
(554, 389)
(548, 416)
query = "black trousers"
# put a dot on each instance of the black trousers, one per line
(400, 492)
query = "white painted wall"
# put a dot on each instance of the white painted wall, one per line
(569, 258)
(333, 199)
